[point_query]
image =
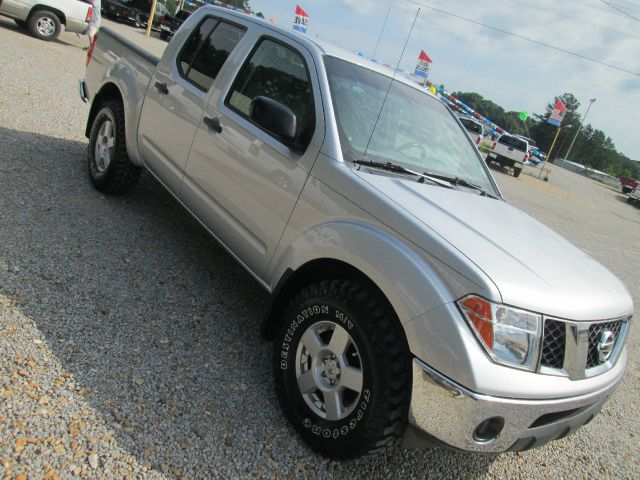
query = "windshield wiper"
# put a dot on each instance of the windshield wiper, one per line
(459, 181)
(395, 168)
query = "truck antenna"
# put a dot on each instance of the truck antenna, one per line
(375, 125)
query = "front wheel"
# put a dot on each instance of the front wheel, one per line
(342, 369)
(110, 169)
(44, 25)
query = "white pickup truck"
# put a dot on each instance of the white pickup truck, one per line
(46, 18)
(511, 152)
(406, 302)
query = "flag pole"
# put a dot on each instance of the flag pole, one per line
(549, 153)
(151, 15)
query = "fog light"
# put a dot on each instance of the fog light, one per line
(488, 430)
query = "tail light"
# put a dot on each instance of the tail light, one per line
(89, 15)
(478, 140)
(526, 156)
(493, 146)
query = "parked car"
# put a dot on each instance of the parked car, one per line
(46, 18)
(628, 184)
(406, 300)
(634, 195)
(510, 151)
(169, 24)
(474, 128)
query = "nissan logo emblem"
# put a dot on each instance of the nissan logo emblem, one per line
(605, 345)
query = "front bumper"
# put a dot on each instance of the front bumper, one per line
(445, 413)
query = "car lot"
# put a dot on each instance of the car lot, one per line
(129, 340)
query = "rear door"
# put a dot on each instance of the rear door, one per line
(241, 180)
(177, 95)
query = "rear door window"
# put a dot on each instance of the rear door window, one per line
(206, 51)
(278, 72)
(513, 142)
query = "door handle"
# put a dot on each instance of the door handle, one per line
(213, 123)
(162, 88)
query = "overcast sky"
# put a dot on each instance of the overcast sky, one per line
(517, 74)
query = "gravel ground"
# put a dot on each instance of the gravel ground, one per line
(129, 344)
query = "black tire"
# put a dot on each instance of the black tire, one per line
(517, 172)
(164, 35)
(379, 413)
(629, 199)
(120, 175)
(20, 23)
(44, 25)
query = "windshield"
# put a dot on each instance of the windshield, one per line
(413, 129)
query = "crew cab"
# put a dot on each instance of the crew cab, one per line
(406, 302)
(511, 152)
(45, 19)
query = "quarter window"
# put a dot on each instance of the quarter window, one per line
(206, 51)
(278, 72)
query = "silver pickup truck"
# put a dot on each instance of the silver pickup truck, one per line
(406, 302)
(509, 151)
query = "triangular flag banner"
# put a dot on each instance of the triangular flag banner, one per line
(557, 114)
(424, 65)
(301, 20)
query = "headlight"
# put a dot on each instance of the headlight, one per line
(509, 335)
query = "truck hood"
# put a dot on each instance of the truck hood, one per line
(533, 267)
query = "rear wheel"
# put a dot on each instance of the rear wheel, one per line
(517, 172)
(342, 369)
(164, 35)
(110, 169)
(44, 25)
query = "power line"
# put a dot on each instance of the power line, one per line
(627, 14)
(574, 19)
(522, 37)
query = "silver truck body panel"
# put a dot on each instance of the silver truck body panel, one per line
(422, 245)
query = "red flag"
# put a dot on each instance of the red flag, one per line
(560, 106)
(424, 56)
(300, 11)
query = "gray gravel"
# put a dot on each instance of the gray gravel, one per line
(129, 343)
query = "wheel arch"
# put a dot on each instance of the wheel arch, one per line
(112, 90)
(39, 7)
(109, 91)
(335, 250)
(317, 270)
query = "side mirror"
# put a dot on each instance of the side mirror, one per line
(275, 117)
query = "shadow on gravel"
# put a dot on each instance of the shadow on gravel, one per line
(158, 324)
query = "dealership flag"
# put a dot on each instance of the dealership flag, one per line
(301, 20)
(557, 114)
(423, 66)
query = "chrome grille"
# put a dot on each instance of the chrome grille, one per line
(553, 343)
(595, 331)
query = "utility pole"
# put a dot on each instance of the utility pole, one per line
(579, 128)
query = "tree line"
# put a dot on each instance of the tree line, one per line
(593, 148)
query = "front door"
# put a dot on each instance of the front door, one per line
(241, 180)
(177, 95)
